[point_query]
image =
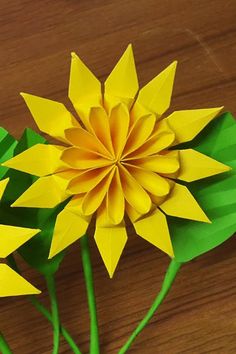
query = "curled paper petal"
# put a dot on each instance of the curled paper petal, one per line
(3, 185)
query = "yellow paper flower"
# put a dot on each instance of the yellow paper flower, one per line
(117, 161)
(11, 238)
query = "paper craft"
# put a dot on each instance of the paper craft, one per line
(35, 251)
(11, 238)
(122, 158)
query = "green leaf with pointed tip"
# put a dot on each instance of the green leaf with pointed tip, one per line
(216, 195)
(35, 251)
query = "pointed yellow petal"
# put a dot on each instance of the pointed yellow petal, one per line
(46, 192)
(86, 141)
(12, 284)
(87, 180)
(139, 133)
(82, 159)
(154, 229)
(70, 226)
(187, 124)
(123, 81)
(166, 163)
(110, 241)
(135, 195)
(39, 160)
(115, 202)
(150, 181)
(3, 184)
(12, 237)
(156, 95)
(93, 199)
(182, 204)
(119, 126)
(50, 116)
(195, 165)
(83, 83)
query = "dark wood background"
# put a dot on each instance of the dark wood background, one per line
(199, 315)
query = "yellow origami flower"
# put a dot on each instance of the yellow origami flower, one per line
(11, 238)
(117, 160)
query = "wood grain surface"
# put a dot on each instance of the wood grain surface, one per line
(199, 315)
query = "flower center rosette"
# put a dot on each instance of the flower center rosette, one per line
(121, 158)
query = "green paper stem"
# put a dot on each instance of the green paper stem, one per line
(166, 285)
(55, 313)
(88, 275)
(42, 309)
(4, 346)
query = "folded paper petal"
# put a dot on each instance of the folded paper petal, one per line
(119, 126)
(167, 163)
(115, 202)
(156, 95)
(122, 83)
(46, 192)
(12, 237)
(50, 116)
(70, 225)
(39, 160)
(3, 184)
(182, 204)
(195, 166)
(12, 284)
(135, 195)
(153, 228)
(110, 240)
(187, 124)
(84, 89)
(82, 159)
(140, 132)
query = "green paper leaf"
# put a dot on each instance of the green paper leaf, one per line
(7, 146)
(35, 251)
(216, 195)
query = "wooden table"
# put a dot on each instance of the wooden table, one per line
(199, 315)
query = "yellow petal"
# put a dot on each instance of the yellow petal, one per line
(46, 192)
(195, 165)
(86, 141)
(161, 139)
(84, 89)
(123, 81)
(182, 204)
(110, 241)
(39, 160)
(50, 116)
(139, 133)
(115, 202)
(150, 181)
(100, 127)
(166, 163)
(135, 195)
(12, 237)
(187, 124)
(154, 229)
(3, 184)
(87, 180)
(82, 159)
(93, 199)
(70, 226)
(119, 126)
(156, 95)
(12, 284)
(83, 83)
